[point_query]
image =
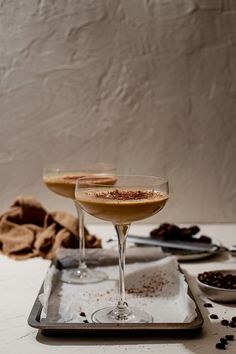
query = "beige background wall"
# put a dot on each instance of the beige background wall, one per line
(147, 84)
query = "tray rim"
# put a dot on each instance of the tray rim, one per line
(48, 328)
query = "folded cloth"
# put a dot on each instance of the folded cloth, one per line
(28, 230)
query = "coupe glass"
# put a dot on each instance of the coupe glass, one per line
(62, 181)
(130, 199)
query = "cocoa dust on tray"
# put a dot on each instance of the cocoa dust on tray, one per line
(148, 287)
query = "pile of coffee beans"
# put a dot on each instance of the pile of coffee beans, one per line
(173, 232)
(218, 279)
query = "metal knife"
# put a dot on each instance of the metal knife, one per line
(181, 245)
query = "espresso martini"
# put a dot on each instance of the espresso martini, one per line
(121, 206)
(64, 184)
(132, 198)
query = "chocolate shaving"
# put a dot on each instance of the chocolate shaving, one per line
(125, 194)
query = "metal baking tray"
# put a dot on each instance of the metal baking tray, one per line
(78, 329)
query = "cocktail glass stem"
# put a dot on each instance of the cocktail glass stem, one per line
(82, 268)
(82, 274)
(121, 312)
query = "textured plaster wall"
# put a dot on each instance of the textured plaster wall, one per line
(147, 84)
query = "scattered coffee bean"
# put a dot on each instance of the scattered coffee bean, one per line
(85, 321)
(207, 304)
(232, 324)
(213, 316)
(225, 322)
(220, 345)
(229, 337)
(234, 319)
(82, 314)
(223, 340)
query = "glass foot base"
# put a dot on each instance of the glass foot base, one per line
(109, 315)
(86, 276)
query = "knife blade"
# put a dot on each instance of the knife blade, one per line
(181, 245)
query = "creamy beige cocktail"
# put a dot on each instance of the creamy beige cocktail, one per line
(121, 206)
(64, 184)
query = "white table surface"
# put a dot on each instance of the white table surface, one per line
(20, 282)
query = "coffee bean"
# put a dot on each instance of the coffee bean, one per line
(234, 319)
(207, 304)
(82, 314)
(85, 321)
(213, 316)
(220, 345)
(225, 322)
(223, 340)
(229, 337)
(232, 324)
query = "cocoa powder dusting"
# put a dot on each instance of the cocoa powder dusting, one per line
(125, 194)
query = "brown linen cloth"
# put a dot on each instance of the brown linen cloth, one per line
(28, 230)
